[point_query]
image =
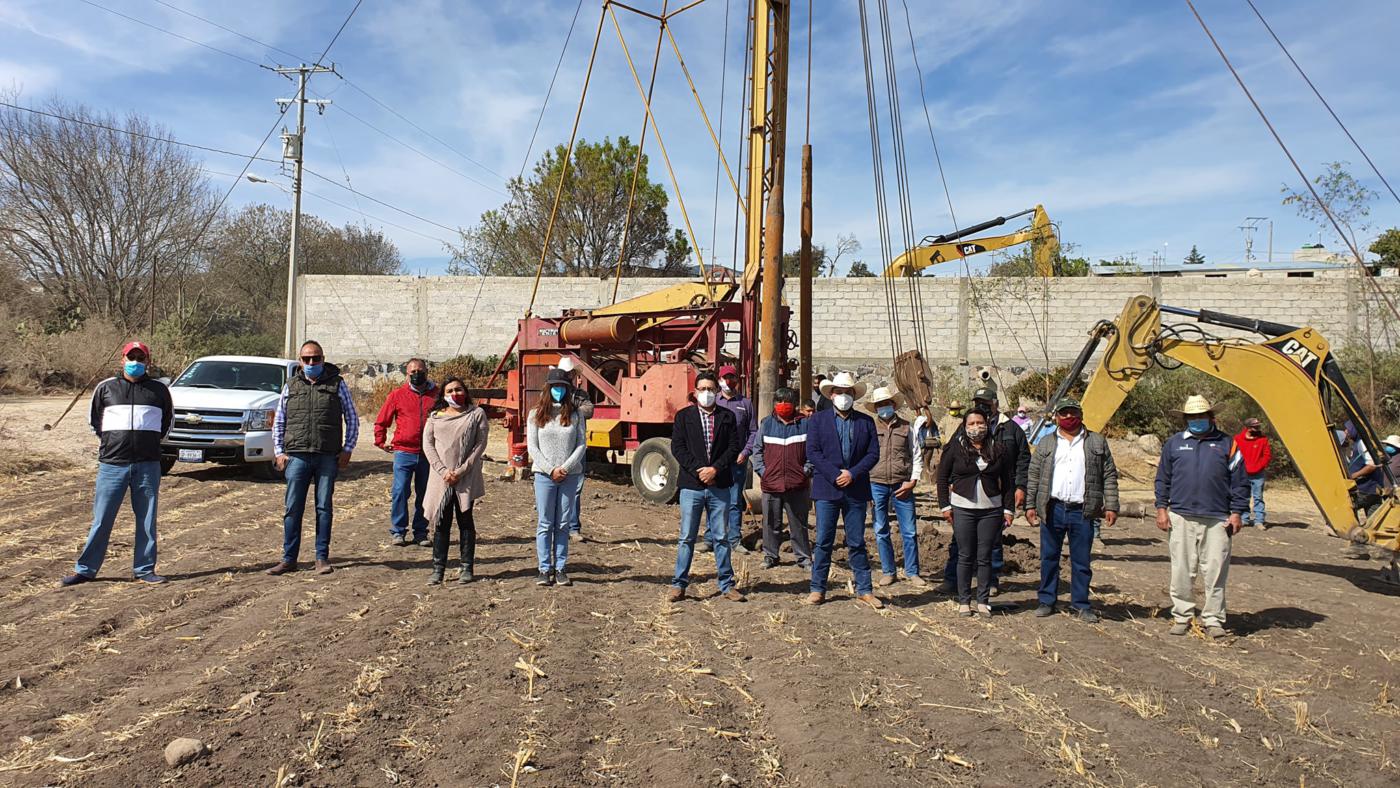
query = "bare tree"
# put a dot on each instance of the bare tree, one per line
(86, 211)
(248, 257)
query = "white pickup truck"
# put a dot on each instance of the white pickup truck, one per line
(224, 407)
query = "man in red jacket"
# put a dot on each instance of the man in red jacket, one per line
(407, 409)
(1254, 448)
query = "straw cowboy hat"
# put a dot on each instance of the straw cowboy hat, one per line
(843, 380)
(1392, 440)
(1196, 405)
(883, 394)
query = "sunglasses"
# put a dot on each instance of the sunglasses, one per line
(313, 359)
(135, 355)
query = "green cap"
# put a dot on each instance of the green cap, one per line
(1067, 403)
(986, 393)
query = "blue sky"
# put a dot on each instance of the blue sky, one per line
(1118, 116)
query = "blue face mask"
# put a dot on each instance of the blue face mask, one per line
(1198, 426)
(134, 369)
(313, 370)
(1391, 450)
(557, 393)
(885, 412)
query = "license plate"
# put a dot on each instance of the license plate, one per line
(191, 455)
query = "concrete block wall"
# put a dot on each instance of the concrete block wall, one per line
(1014, 323)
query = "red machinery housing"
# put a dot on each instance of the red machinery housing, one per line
(638, 364)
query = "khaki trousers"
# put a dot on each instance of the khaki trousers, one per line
(1199, 546)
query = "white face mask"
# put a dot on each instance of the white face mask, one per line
(706, 398)
(455, 400)
(843, 401)
(725, 387)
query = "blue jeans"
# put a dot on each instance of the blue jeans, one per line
(852, 512)
(113, 482)
(1061, 521)
(714, 505)
(554, 503)
(575, 526)
(302, 469)
(883, 495)
(409, 468)
(734, 514)
(1256, 491)
(950, 572)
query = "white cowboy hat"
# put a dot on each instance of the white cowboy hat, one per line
(843, 380)
(883, 394)
(1392, 440)
(1196, 405)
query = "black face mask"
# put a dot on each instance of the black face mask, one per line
(418, 378)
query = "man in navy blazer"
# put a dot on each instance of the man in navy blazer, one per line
(842, 447)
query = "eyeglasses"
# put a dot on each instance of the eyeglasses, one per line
(313, 359)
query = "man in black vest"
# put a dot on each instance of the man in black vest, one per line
(313, 434)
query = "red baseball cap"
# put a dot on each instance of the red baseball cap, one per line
(135, 345)
(728, 369)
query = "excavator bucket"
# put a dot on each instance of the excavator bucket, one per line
(914, 379)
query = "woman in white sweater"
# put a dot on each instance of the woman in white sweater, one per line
(556, 439)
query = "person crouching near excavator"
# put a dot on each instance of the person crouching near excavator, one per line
(1202, 495)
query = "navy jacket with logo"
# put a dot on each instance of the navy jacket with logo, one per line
(130, 419)
(1202, 476)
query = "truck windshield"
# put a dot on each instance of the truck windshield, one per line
(233, 375)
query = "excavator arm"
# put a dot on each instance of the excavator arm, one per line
(1291, 375)
(948, 247)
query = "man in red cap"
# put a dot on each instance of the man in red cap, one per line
(735, 402)
(1254, 447)
(130, 414)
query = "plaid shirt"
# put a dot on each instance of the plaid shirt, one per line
(707, 426)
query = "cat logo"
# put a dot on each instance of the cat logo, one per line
(1300, 355)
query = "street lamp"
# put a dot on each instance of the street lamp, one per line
(291, 263)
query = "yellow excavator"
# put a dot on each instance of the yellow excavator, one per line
(1291, 374)
(949, 247)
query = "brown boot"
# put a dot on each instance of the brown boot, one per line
(676, 594)
(814, 598)
(282, 568)
(871, 600)
(323, 567)
(886, 580)
(735, 595)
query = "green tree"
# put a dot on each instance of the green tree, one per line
(859, 268)
(1348, 200)
(1387, 247)
(792, 262)
(1020, 263)
(1194, 257)
(590, 223)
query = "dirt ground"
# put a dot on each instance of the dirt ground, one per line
(369, 677)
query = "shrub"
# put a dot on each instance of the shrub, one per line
(40, 361)
(1039, 386)
(475, 371)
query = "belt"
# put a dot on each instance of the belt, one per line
(1073, 507)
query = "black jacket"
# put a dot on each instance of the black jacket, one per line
(1012, 438)
(958, 472)
(130, 419)
(688, 447)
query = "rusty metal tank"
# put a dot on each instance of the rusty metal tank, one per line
(616, 330)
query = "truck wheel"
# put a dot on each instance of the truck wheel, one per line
(655, 473)
(166, 464)
(266, 472)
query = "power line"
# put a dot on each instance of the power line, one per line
(438, 162)
(1318, 93)
(378, 201)
(367, 216)
(424, 131)
(531, 147)
(144, 23)
(336, 37)
(361, 90)
(207, 21)
(1326, 209)
(130, 133)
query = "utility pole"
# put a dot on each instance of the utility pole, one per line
(292, 149)
(768, 135)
